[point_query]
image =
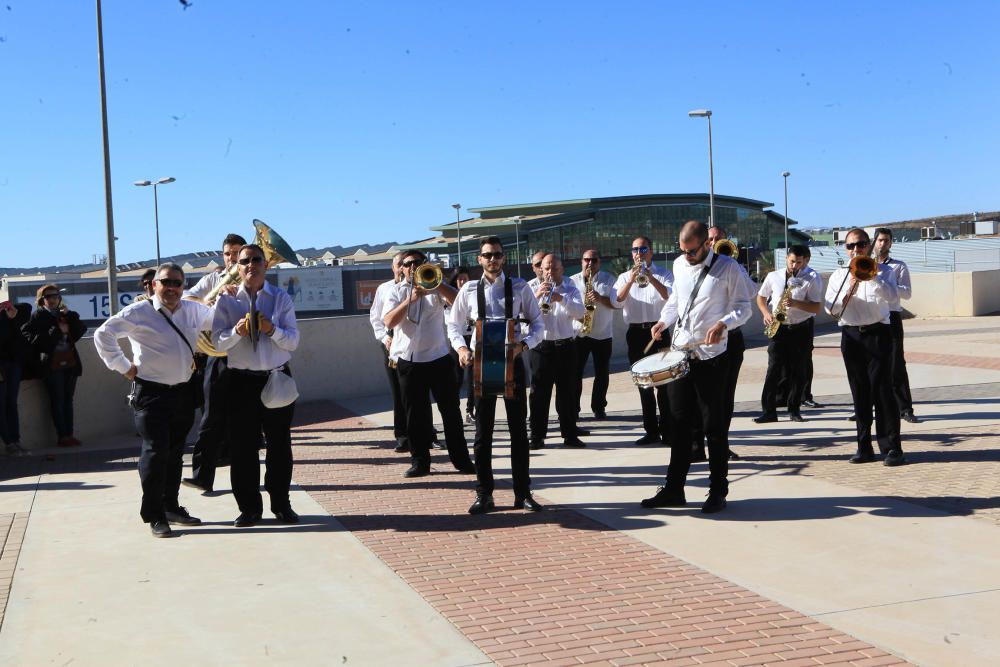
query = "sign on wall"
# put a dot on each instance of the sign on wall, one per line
(366, 293)
(314, 288)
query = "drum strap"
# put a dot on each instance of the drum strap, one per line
(508, 293)
(694, 293)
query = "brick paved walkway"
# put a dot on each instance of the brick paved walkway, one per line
(555, 587)
(12, 527)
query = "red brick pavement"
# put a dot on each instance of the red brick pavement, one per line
(12, 528)
(553, 588)
(956, 360)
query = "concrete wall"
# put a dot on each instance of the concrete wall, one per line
(954, 294)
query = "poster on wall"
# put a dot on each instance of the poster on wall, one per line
(314, 288)
(366, 293)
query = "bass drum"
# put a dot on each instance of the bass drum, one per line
(659, 369)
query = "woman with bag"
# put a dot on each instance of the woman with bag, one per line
(52, 332)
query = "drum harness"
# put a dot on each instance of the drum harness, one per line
(508, 293)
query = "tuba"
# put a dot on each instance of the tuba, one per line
(726, 247)
(276, 251)
(863, 268)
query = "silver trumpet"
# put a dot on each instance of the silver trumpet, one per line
(546, 303)
(642, 279)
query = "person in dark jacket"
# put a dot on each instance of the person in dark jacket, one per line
(53, 331)
(14, 353)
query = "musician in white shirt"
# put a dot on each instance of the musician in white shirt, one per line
(383, 335)
(523, 306)
(252, 357)
(554, 361)
(862, 308)
(211, 447)
(163, 331)
(790, 348)
(904, 290)
(598, 341)
(709, 297)
(641, 306)
(420, 351)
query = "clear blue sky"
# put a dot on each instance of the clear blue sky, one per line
(343, 123)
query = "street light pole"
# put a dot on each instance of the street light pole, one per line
(156, 208)
(707, 113)
(785, 175)
(110, 224)
(517, 241)
(458, 230)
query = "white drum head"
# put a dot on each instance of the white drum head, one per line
(659, 361)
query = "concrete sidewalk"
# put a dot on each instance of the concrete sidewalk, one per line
(815, 561)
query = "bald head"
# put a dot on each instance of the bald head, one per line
(552, 266)
(694, 231)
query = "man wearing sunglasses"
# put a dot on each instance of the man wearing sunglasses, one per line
(710, 297)
(420, 350)
(383, 335)
(494, 287)
(900, 378)
(163, 331)
(211, 447)
(598, 340)
(256, 349)
(861, 308)
(641, 306)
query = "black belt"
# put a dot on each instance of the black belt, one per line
(247, 371)
(865, 328)
(159, 386)
(801, 324)
(557, 343)
(642, 325)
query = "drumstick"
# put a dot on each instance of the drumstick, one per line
(649, 345)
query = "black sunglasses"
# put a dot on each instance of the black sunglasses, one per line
(856, 244)
(51, 296)
(692, 252)
(256, 259)
(412, 262)
(537, 265)
(493, 255)
(591, 259)
(642, 250)
(170, 282)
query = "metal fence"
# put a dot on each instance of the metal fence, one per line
(954, 255)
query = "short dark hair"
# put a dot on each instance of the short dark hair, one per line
(725, 235)
(413, 251)
(233, 239)
(253, 246)
(490, 240)
(800, 251)
(884, 230)
(857, 231)
(147, 276)
(456, 272)
(169, 266)
(644, 238)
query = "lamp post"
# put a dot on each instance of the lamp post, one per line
(458, 230)
(707, 113)
(785, 175)
(109, 215)
(156, 208)
(517, 241)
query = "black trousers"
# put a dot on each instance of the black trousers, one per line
(211, 444)
(601, 349)
(868, 357)
(786, 355)
(414, 381)
(517, 409)
(398, 413)
(735, 349)
(464, 378)
(900, 378)
(163, 417)
(636, 338)
(807, 382)
(249, 423)
(554, 363)
(697, 404)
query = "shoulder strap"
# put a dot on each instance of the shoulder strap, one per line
(481, 299)
(508, 293)
(174, 327)
(694, 291)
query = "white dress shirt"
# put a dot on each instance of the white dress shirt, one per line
(466, 307)
(810, 290)
(869, 305)
(602, 284)
(642, 304)
(724, 296)
(208, 282)
(421, 342)
(904, 290)
(558, 322)
(377, 311)
(158, 352)
(272, 351)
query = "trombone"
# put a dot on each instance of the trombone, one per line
(726, 247)
(863, 268)
(427, 277)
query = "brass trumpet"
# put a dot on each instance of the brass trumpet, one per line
(863, 268)
(642, 279)
(726, 247)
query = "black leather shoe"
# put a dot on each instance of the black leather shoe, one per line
(195, 484)
(180, 517)
(582, 431)
(482, 505)
(893, 458)
(910, 417)
(600, 414)
(402, 446)
(795, 417)
(467, 468)
(852, 418)
(765, 419)
(246, 519)
(733, 456)
(417, 470)
(537, 444)
(812, 404)
(437, 444)
(648, 440)
(286, 515)
(161, 528)
(715, 503)
(527, 503)
(573, 442)
(665, 498)
(863, 457)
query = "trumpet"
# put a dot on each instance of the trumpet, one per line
(863, 268)
(642, 279)
(725, 247)
(546, 303)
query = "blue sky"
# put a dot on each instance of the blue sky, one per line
(343, 123)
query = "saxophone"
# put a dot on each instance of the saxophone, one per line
(780, 313)
(588, 317)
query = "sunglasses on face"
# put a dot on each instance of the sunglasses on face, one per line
(494, 255)
(256, 259)
(692, 252)
(50, 296)
(537, 265)
(641, 250)
(591, 259)
(857, 244)
(170, 282)
(412, 262)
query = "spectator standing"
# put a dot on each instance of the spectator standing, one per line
(14, 353)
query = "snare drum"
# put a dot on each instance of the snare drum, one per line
(659, 369)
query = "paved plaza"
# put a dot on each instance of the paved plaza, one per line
(814, 562)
